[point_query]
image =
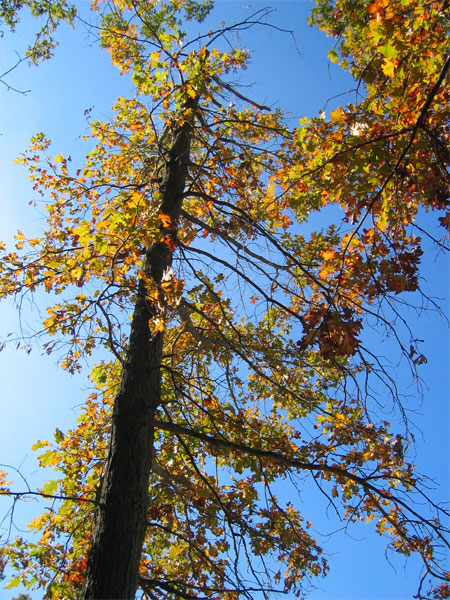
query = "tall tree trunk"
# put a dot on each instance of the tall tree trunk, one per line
(113, 564)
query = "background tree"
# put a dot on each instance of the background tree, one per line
(243, 365)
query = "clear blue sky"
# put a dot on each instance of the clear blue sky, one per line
(36, 397)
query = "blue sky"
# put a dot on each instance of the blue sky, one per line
(36, 397)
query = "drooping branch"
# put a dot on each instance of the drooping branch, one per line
(364, 482)
(48, 496)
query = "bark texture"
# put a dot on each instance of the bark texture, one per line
(120, 523)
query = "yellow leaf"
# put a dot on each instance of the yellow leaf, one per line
(389, 67)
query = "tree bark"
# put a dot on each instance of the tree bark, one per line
(112, 568)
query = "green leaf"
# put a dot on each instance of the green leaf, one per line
(333, 56)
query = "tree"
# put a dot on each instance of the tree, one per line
(245, 362)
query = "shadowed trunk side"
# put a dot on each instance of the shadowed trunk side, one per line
(120, 523)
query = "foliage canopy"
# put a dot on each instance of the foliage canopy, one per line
(245, 363)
